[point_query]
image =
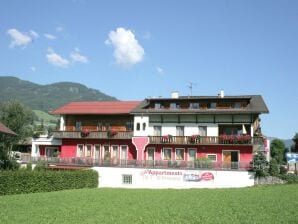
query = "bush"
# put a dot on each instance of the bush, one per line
(290, 178)
(273, 167)
(260, 165)
(40, 166)
(24, 181)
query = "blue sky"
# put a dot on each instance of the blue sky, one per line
(136, 49)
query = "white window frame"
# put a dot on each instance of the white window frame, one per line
(82, 154)
(50, 148)
(112, 151)
(147, 155)
(103, 152)
(212, 155)
(94, 151)
(121, 152)
(163, 153)
(195, 149)
(86, 150)
(183, 153)
(182, 129)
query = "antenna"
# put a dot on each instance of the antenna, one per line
(190, 85)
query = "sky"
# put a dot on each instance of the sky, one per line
(137, 49)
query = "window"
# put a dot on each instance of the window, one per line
(126, 179)
(237, 105)
(99, 127)
(78, 125)
(212, 157)
(80, 150)
(179, 154)
(88, 151)
(138, 127)
(194, 106)
(203, 130)
(157, 106)
(174, 106)
(157, 130)
(150, 153)
(114, 152)
(124, 152)
(144, 126)
(106, 152)
(192, 154)
(179, 130)
(96, 151)
(167, 154)
(211, 105)
(129, 125)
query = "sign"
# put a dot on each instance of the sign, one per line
(292, 157)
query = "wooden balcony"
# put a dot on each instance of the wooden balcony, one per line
(93, 134)
(206, 140)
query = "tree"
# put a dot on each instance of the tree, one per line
(277, 150)
(294, 147)
(19, 119)
(260, 164)
(273, 167)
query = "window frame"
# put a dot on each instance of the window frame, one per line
(163, 154)
(182, 154)
(82, 153)
(211, 154)
(126, 178)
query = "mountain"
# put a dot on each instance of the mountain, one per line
(288, 142)
(47, 97)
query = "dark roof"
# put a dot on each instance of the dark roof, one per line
(256, 104)
(97, 107)
(6, 130)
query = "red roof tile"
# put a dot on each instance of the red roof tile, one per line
(6, 130)
(97, 107)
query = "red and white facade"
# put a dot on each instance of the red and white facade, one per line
(179, 132)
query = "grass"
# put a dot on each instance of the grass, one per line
(47, 118)
(269, 204)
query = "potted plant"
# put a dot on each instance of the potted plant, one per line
(195, 138)
(85, 133)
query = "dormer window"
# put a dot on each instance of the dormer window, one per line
(237, 105)
(157, 106)
(78, 125)
(211, 105)
(194, 106)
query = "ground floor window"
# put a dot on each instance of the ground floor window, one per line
(126, 179)
(192, 154)
(96, 151)
(88, 151)
(106, 152)
(167, 154)
(114, 151)
(179, 154)
(150, 153)
(124, 152)
(80, 150)
(212, 157)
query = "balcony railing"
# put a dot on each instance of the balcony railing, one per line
(158, 164)
(207, 140)
(94, 134)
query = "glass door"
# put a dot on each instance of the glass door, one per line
(124, 154)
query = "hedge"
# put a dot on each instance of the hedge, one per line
(24, 181)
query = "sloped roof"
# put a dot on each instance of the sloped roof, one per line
(97, 107)
(256, 105)
(6, 130)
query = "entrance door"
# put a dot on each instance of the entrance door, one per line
(230, 159)
(51, 152)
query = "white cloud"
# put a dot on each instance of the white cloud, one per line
(33, 34)
(21, 39)
(32, 68)
(76, 56)
(59, 28)
(160, 70)
(56, 60)
(127, 50)
(49, 36)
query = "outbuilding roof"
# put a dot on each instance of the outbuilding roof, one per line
(97, 107)
(6, 130)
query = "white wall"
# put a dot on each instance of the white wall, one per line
(141, 120)
(169, 178)
(43, 140)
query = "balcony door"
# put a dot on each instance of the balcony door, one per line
(230, 159)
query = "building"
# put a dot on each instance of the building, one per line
(216, 132)
(6, 130)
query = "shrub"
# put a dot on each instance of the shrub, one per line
(40, 166)
(290, 178)
(260, 165)
(273, 167)
(23, 181)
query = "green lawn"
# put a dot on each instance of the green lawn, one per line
(272, 204)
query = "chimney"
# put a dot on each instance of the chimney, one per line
(222, 93)
(175, 95)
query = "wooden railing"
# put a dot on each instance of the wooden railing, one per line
(206, 140)
(94, 134)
